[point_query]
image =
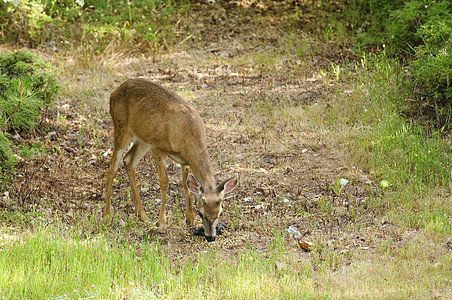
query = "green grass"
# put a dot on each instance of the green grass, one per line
(96, 27)
(416, 162)
(46, 265)
(51, 264)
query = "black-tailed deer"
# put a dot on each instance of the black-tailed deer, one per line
(155, 119)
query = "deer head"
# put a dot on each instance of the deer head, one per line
(208, 202)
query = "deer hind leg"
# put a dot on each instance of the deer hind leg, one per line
(131, 160)
(189, 215)
(163, 181)
(121, 143)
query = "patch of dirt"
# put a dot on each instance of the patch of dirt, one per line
(255, 126)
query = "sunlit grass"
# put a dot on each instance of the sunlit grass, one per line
(48, 264)
(416, 163)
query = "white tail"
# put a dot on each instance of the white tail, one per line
(158, 120)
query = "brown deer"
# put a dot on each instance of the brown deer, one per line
(156, 119)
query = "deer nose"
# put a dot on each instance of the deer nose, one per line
(210, 238)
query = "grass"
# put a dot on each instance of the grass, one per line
(64, 265)
(55, 265)
(415, 162)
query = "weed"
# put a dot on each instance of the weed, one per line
(336, 188)
(28, 151)
(336, 71)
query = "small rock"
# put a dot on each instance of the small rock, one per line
(366, 180)
(69, 150)
(254, 237)
(280, 267)
(50, 135)
(106, 153)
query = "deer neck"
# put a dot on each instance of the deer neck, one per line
(202, 170)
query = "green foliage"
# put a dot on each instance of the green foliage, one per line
(26, 86)
(398, 24)
(432, 66)
(420, 30)
(30, 150)
(432, 74)
(425, 29)
(389, 147)
(20, 107)
(94, 23)
(6, 155)
(408, 24)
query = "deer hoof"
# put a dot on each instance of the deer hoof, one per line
(142, 216)
(190, 223)
(162, 229)
(105, 212)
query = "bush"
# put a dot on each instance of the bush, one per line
(91, 23)
(26, 86)
(420, 32)
(6, 154)
(432, 73)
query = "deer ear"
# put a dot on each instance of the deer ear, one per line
(194, 185)
(229, 184)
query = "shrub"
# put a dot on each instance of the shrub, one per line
(432, 73)
(420, 31)
(91, 23)
(26, 86)
(6, 154)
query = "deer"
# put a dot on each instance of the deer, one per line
(148, 117)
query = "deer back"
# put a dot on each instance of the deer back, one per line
(162, 119)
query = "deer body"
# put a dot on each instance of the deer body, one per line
(155, 119)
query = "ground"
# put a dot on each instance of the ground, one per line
(260, 103)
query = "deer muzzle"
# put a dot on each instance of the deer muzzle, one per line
(209, 229)
(210, 238)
